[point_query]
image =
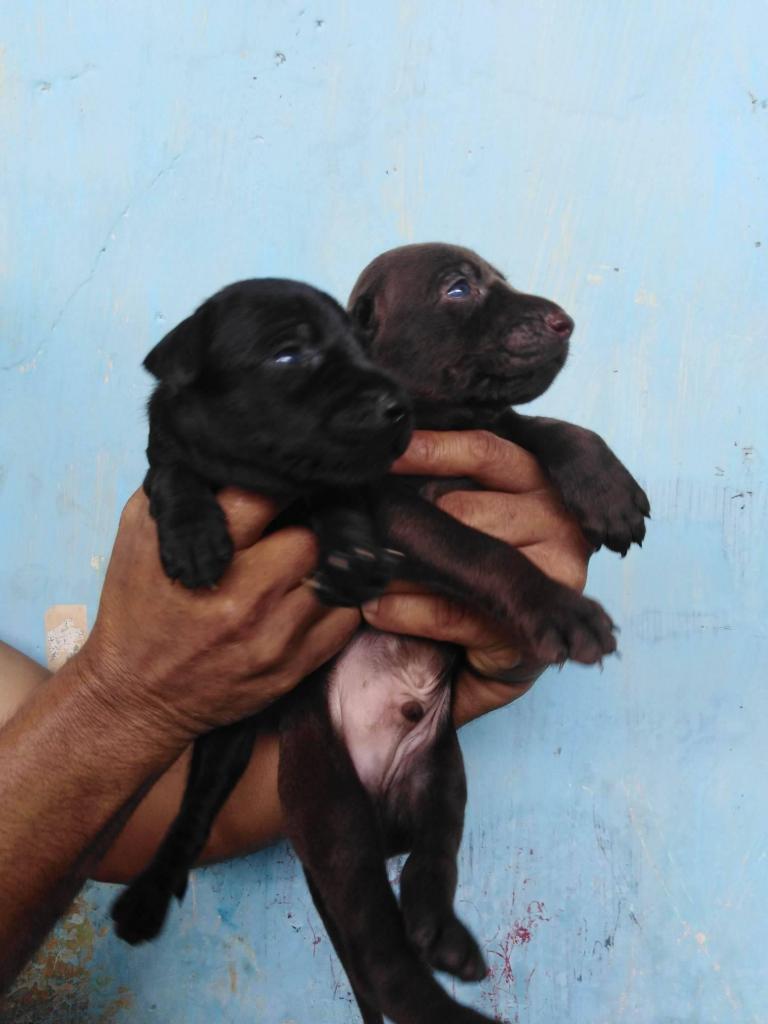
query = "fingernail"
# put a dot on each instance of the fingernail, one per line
(371, 607)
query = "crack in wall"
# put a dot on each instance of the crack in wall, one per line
(28, 362)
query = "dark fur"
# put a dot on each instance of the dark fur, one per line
(464, 360)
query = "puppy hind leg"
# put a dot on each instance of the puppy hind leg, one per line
(219, 758)
(333, 826)
(369, 1013)
(428, 880)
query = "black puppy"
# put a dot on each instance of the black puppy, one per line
(364, 774)
(265, 387)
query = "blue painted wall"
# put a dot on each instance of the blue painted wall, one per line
(611, 155)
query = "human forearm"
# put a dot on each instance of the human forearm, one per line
(71, 764)
(250, 819)
(161, 666)
(19, 677)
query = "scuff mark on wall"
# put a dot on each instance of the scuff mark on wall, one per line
(646, 298)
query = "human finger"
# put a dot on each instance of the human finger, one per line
(565, 560)
(431, 616)
(275, 564)
(519, 519)
(473, 698)
(248, 514)
(283, 629)
(488, 459)
(322, 641)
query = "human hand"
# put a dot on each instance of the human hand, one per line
(520, 507)
(191, 660)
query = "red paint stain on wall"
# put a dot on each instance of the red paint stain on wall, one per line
(503, 973)
(520, 934)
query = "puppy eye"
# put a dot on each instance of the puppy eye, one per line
(291, 355)
(460, 289)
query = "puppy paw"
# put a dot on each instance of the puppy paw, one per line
(348, 578)
(196, 551)
(445, 943)
(610, 506)
(458, 1014)
(140, 911)
(567, 627)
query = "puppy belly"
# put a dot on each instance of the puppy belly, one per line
(388, 697)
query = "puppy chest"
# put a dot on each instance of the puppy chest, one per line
(387, 697)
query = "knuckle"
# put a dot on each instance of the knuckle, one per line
(303, 544)
(229, 613)
(459, 504)
(133, 509)
(449, 616)
(484, 447)
(269, 654)
(265, 653)
(431, 446)
(282, 682)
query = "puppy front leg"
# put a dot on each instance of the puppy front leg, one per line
(607, 501)
(428, 881)
(195, 545)
(443, 554)
(353, 566)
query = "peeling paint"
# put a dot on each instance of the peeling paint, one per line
(65, 631)
(59, 977)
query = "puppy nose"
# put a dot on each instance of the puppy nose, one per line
(560, 323)
(391, 410)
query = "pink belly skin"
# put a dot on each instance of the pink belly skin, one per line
(388, 696)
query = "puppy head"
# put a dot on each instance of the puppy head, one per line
(270, 373)
(454, 332)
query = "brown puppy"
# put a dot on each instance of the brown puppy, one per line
(465, 345)
(370, 764)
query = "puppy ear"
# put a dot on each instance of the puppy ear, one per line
(363, 314)
(177, 360)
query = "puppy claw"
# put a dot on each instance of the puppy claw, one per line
(365, 553)
(611, 507)
(572, 627)
(395, 553)
(350, 578)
